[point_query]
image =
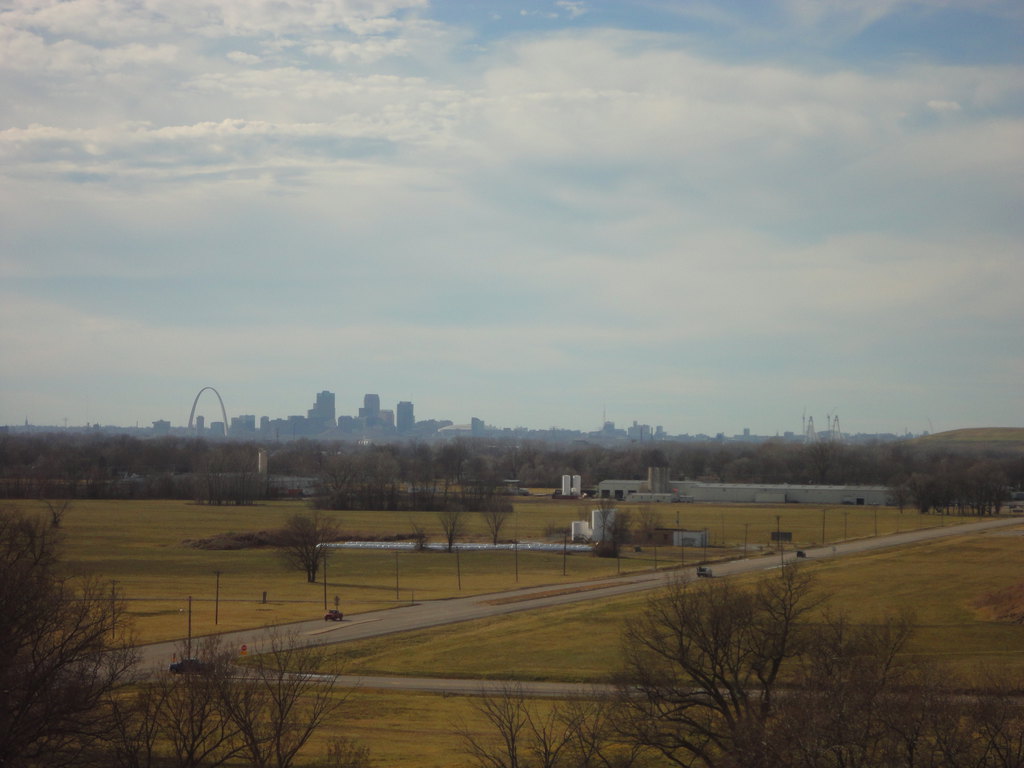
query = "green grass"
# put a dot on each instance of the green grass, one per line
(937, 581)
(404, 729)
(1000, 438)
(141, 548)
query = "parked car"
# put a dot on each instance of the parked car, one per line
(334, 615)
(703, 572)
(188, 666)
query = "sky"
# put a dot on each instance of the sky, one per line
(707, 216)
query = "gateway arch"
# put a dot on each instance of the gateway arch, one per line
(192, 414)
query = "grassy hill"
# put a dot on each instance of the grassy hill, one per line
(983, 438)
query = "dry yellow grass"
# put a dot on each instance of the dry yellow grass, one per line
(140, 548)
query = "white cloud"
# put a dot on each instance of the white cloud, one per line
(575, 8)
(394, 190)
(939, 105)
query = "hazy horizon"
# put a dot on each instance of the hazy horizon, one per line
(708, 216)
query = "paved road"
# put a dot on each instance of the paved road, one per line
(442, 612)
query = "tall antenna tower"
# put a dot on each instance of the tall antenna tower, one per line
(834, 433)
(810, 435)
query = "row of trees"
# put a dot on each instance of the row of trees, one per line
(71, 693)
(720, 676)
(470, 472)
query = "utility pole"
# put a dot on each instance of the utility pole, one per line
(778, 538)
(216, 600)
(324, 550)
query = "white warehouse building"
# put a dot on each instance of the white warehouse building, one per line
(658, 488)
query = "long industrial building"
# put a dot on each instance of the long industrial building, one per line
(659, 488)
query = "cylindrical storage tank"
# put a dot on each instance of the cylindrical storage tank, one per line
(580, 530)
(657, 479)
(566, 485)
(577, 485)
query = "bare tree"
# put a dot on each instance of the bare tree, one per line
(193, 719)
(64, 646)
(419, 534)
(58, 510)
(279, 700)
(495, 514)
(300, 541)
(702, 666)
(521, 735)
(452, 520)
(574, 733)
(847, 680)
(137, 727)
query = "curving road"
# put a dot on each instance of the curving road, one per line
(442, 612)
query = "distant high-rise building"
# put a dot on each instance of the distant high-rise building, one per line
(371, 406)
(242, 425)
(369, 414)
(406, 420)
(321, 415)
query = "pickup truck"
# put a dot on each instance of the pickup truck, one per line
(703, 572)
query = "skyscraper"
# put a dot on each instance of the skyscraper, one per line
(371, 405)
(321, 415)
(405, 420)
(370, 412)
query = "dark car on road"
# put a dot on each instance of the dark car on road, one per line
(334, 615)
(188, 666)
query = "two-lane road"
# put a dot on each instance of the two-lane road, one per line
(452, 611)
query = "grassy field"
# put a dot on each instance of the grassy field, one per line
(143, 549)
(940, 582)
(984, 437)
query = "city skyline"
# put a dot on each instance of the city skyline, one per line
(704, 215)
(324, 420)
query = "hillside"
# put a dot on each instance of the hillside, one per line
(997, 438)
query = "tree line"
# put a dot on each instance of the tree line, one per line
(712, 673)
(723, 676)
(71, 692)
(471, 472)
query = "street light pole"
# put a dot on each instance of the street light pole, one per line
(216, 600)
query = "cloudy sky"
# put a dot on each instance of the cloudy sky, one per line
(702, 215)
